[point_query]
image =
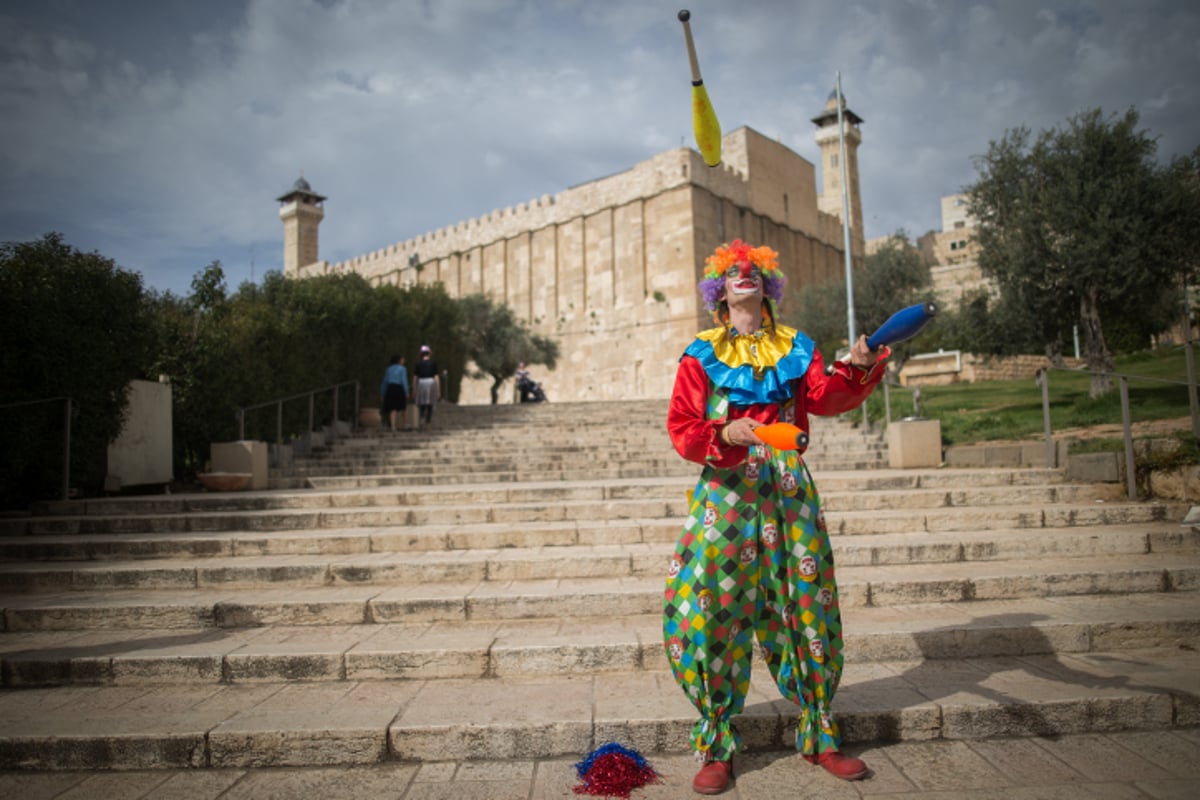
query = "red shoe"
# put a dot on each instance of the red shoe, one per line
(841, 766)
(713, 777)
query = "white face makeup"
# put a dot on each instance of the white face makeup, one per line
(738, 286)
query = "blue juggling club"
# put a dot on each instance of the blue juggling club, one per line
(904, 324)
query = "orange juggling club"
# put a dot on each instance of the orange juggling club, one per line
(782, 436)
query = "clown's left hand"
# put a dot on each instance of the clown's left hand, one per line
(861, 355)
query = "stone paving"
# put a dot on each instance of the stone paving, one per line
(1162, 765)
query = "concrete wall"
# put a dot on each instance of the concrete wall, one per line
(141, 454)
(944, 368)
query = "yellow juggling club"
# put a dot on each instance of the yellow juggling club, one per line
(704, 119)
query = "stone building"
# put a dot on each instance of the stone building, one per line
(609, 268)
(953, 253)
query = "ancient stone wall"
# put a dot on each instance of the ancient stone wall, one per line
(609, 269)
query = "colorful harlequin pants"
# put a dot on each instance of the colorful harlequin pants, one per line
(754, 564)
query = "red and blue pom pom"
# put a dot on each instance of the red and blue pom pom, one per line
(614, 771)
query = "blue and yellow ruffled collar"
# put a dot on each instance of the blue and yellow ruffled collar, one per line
(755, 367)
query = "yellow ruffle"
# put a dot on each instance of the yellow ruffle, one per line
(760, 350)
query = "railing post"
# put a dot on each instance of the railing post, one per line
(1043, 380)
(1130, 476)
(67, 452)
(1191, 379)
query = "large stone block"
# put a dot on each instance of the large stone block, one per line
(242, 456)
(914, 443)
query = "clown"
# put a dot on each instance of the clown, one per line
(751, 370)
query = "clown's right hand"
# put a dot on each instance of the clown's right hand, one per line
(740, 432)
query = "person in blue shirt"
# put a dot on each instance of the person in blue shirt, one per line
(394, 390)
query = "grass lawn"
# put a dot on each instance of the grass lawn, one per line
(995, 410)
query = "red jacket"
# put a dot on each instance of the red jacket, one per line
(696, 437)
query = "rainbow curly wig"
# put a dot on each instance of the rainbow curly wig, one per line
(741, 255)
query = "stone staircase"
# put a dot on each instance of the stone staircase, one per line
(490, 588)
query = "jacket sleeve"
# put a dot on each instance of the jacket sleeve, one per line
(694, 435)
(844, 388)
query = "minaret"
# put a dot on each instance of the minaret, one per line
(830, 200)
(301, 214)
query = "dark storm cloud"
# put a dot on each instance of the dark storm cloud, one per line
(159, 132)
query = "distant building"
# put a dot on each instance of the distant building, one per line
(953, 253)
(609, 269)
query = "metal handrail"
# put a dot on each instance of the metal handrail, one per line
(1043, 380)
(66, 495)
(887, 397)
(311, 395)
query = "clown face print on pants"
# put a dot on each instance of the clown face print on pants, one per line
(825, 596)
(675, 649)
(817, 650)
(704, 600)
(787, 482)
(675, 567)
(710, 521)
(770, 535)
(747, 553)
(808, 568)
(752, 469)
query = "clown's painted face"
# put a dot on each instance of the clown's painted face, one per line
(675, 648)
(808, 568)
(674, 567)
(770, 534)
(825, 596)
(787, 482)
(704, 600)
(743, 280)
(748, 553)
(817, 649)
(710, 515)
(752, 469)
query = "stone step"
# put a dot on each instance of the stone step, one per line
(515, 648)
(365, 722)
(843, 494)
(307, 596)
(862, 521)
(356, 476)
(830, 482)
(358, 556)
(498, 606)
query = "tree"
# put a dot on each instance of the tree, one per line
(1083, 225)
(75, 325)
(891, 278)
(497, 342)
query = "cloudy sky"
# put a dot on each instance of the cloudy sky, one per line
(160, 132)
